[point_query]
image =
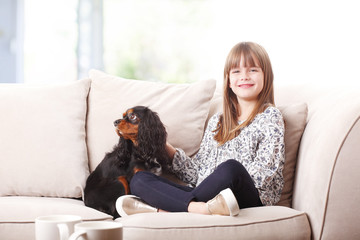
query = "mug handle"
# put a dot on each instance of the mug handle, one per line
(64, 231)
(77, 234)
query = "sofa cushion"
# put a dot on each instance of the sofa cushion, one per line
(183, 108)
(273, 222)
(295, 116)
(18, 214)
(17, 209)
(42, 139)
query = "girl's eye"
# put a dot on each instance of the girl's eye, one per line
(235, 71)
(256, 69)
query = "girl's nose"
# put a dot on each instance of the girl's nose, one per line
(244, 77)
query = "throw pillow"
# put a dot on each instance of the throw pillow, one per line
(183, 108)
(42, 139)
(295, 116)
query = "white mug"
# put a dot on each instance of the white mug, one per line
(55, 227)
(97, 230)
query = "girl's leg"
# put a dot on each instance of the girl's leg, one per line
(160, 192)
(230, 174)
(166, 195)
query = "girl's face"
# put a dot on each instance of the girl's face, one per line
(246, 82)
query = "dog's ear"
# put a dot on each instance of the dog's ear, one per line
(122, 150)
(151, 134)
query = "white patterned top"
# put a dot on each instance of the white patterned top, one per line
(259, 147)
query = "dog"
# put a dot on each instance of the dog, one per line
(141, 147)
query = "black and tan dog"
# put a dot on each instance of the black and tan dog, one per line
(141, 147)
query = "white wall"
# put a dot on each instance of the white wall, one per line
(309, 41)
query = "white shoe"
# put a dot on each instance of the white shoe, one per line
(223, 204)
(130, 204)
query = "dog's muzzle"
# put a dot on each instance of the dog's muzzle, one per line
(117, 122)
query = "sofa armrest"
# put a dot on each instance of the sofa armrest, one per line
(326, 183)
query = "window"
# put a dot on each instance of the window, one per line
(50, 40)
(158, 40)
(10, 42)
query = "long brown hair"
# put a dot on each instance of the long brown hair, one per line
(254, 55)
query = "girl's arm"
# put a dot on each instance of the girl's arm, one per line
(267, 167)
(183, 166)
(170, 150)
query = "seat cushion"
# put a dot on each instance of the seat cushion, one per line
(275, 222)
(18, 214)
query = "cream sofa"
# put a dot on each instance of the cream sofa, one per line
(52, 136)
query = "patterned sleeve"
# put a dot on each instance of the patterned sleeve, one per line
(267, 167)
(186, 168)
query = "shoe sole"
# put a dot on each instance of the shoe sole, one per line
(119, 204)
(231, 201)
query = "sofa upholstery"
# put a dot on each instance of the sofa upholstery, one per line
(53, 135)
(328, 160)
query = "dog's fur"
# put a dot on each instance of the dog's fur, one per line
(142, 146)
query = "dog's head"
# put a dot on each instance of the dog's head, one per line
(128, 126)
(144, 129)
(142, 126)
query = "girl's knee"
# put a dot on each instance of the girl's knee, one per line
(232, 165)
(232, 162)
(139, 180)
(232, 168)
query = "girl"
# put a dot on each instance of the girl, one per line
(241, 156)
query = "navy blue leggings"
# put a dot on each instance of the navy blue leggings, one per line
(166, 195)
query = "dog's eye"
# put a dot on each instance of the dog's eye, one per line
(132, 117)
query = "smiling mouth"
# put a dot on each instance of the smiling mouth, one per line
(246, 85)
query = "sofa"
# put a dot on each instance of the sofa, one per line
(53, 135)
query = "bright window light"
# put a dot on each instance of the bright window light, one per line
(311, 42)
(50, 40)
(158, 40)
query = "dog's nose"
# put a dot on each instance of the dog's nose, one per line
(117, 122)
